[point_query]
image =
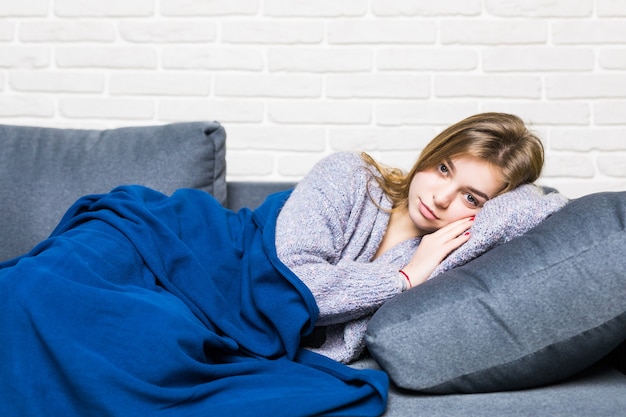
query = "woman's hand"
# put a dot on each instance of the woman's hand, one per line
(434, 247)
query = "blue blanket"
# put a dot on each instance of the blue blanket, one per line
(140, 304)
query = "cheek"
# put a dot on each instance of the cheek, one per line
(415, 186)
(423, 181)
(460, 211)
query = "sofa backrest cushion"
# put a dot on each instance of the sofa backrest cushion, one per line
(251, 194)
(530, 312)
(44, 170)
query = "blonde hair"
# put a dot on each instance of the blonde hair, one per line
(500, 139)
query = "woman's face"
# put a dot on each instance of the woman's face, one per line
(454, 189)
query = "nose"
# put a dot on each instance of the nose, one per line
(442, 197)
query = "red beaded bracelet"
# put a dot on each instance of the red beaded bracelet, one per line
(407, 278)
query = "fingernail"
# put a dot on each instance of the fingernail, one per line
(472, 218)
(466, 233)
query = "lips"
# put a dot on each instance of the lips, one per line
(427, 212)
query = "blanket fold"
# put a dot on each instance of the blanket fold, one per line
(144, 304)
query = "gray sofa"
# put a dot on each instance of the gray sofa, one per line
(444, 355)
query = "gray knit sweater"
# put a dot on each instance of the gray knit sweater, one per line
(328, 233)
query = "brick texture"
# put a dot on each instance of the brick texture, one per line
(295, 80)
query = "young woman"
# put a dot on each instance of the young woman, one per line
(357, 233)
(145, 304)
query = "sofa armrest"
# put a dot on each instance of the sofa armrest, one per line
(44, 170)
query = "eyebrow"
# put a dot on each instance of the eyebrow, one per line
(472, 189)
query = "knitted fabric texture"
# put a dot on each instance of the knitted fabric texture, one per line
(328, 232)
(501, 219)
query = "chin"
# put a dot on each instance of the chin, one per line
(425, 229)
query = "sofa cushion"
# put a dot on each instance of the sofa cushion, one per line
(251, 194)
(533, 311)
(44, 170)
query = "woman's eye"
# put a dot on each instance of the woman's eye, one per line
(443, 168)
(470, 199)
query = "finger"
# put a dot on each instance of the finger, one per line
(464, 222)
(454, 229)
(458, 241)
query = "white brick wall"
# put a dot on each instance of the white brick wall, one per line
(295, 80)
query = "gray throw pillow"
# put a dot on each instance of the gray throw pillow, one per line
(44, 170)
(530, 312)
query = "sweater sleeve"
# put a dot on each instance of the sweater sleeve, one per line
(327, 234)
(345, 342)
